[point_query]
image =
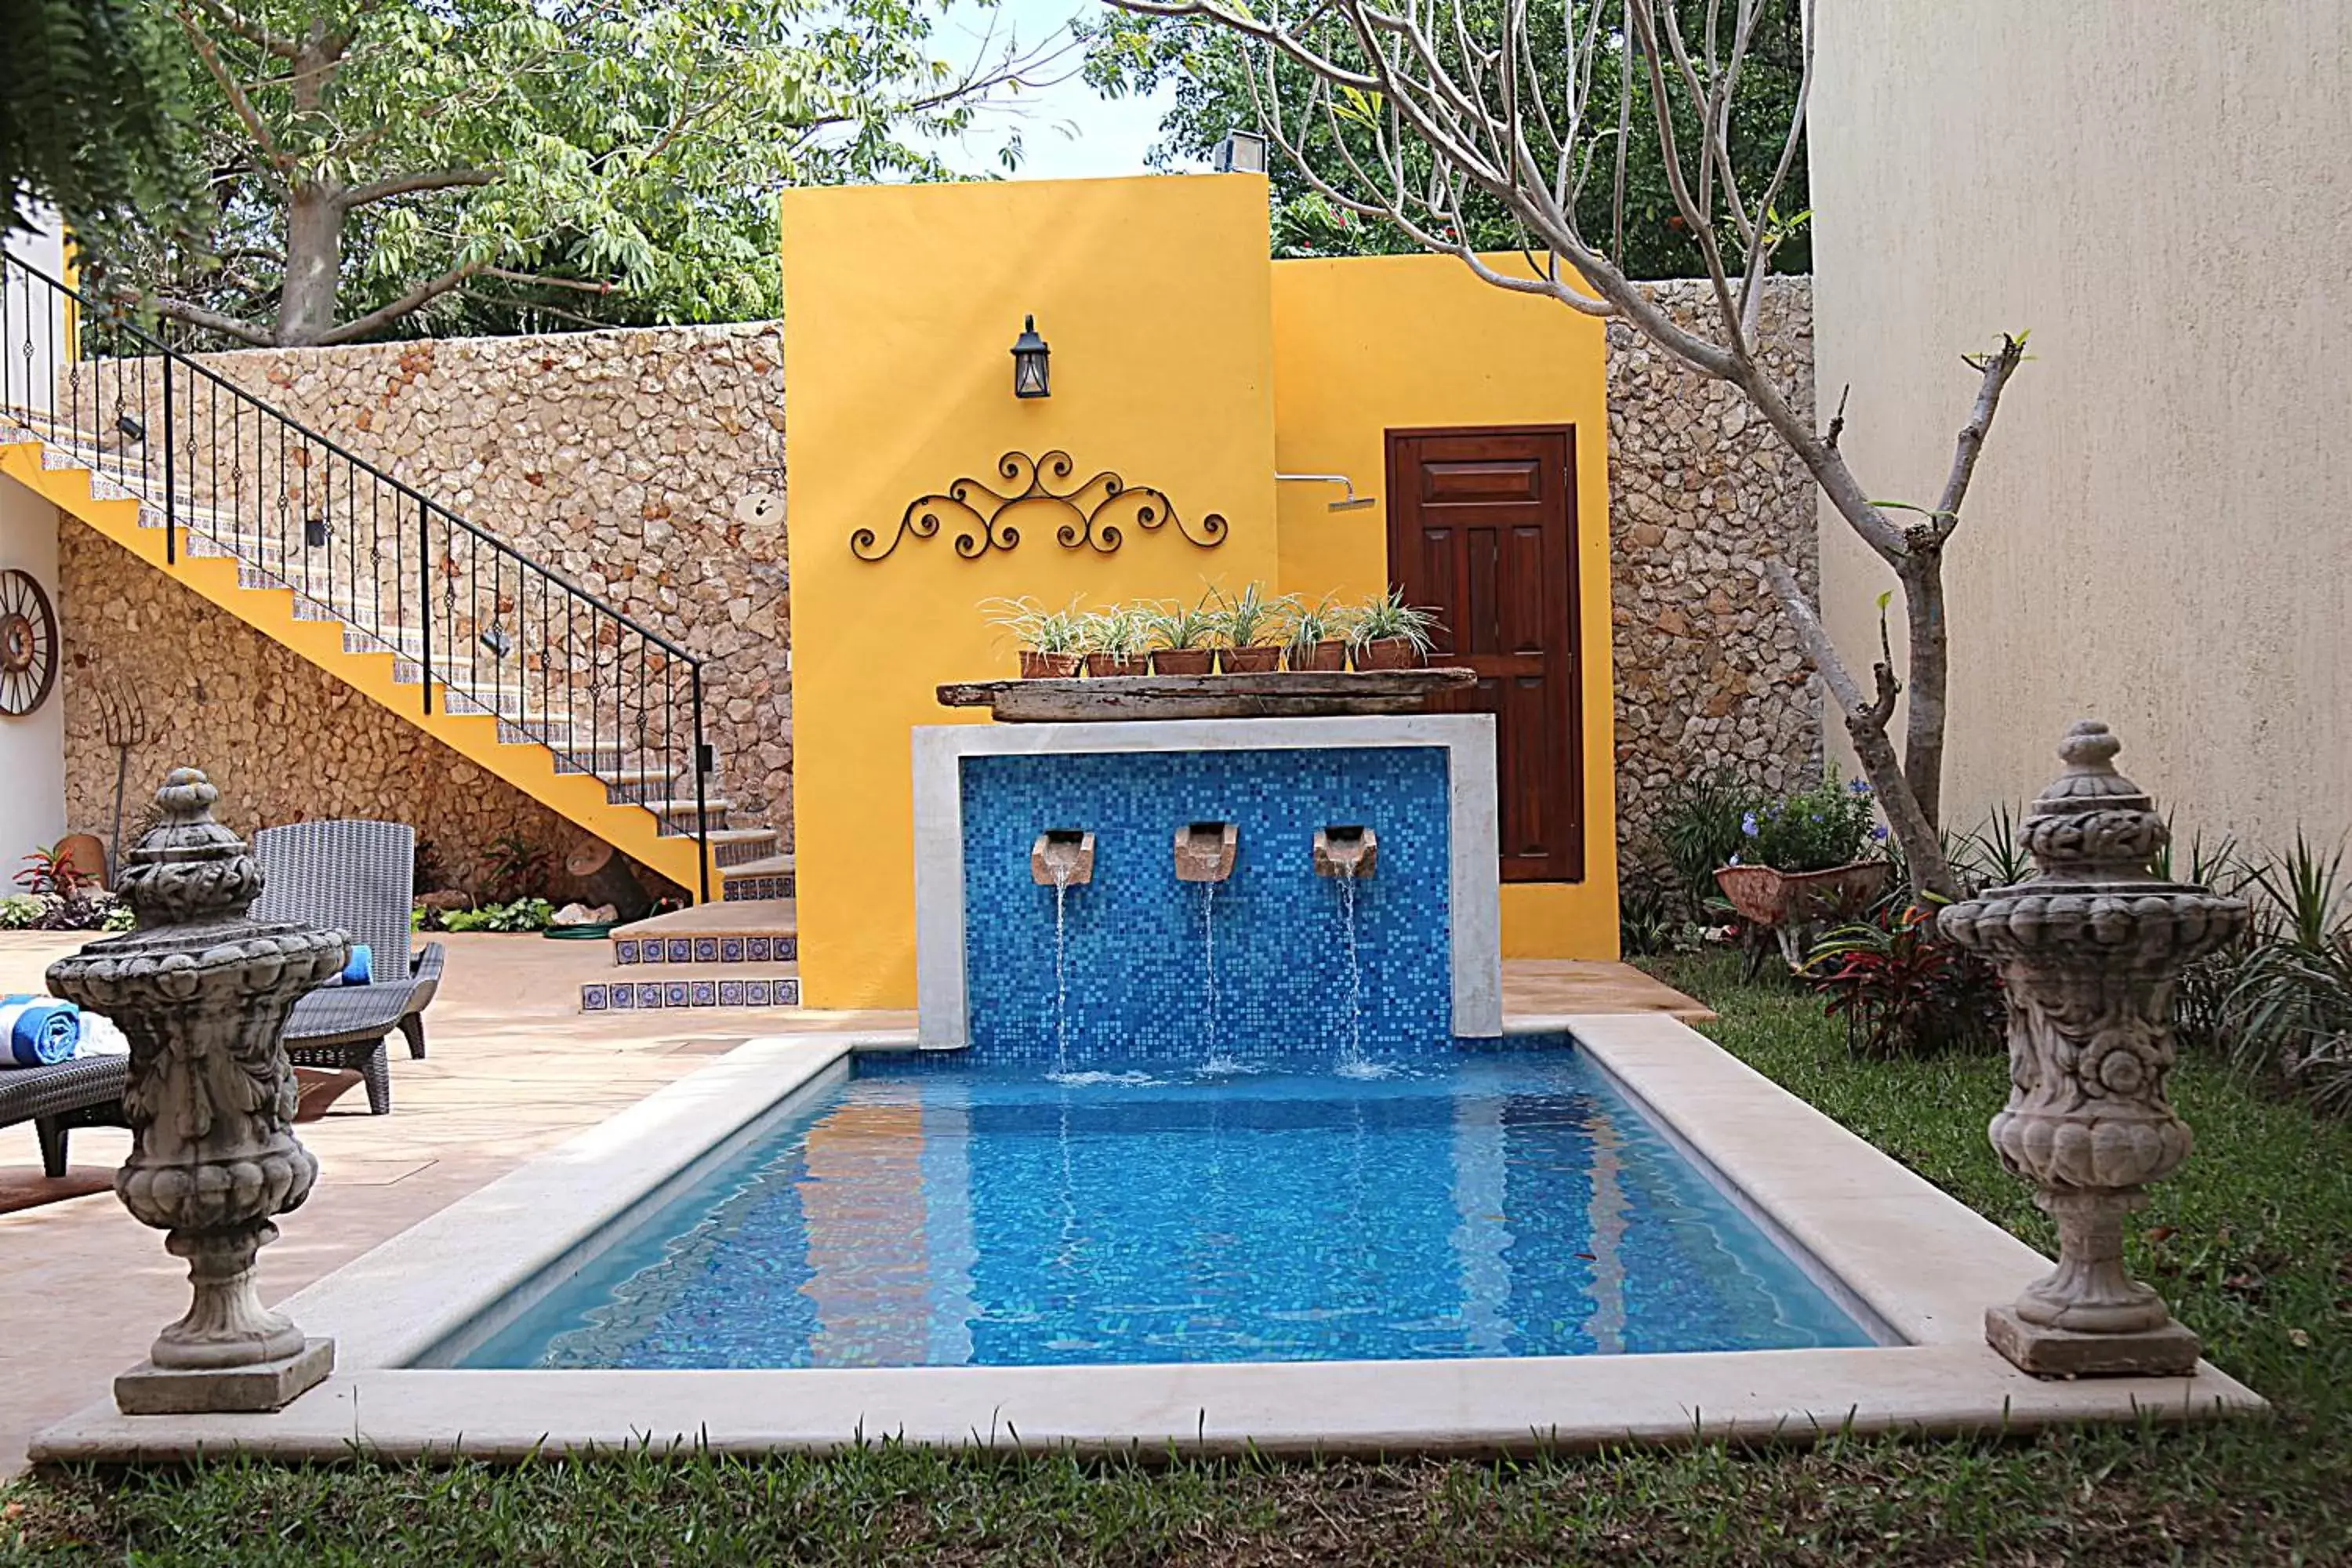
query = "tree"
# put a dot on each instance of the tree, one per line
(1418, 112)
(378, 165)
(87, 124)
(1215, 91)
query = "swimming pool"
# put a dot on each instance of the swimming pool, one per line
(1474, 1203)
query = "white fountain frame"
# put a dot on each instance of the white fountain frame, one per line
(1475, 841)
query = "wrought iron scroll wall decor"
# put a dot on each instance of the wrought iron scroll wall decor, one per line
(1093, 515)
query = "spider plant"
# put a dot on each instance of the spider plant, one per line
(1036, 628)
(1116, 631)
(1388, 618)
(1323, 621)
(1250, 619)
(1179, 627)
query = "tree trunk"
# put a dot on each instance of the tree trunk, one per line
(314, 264)
(1929, 665)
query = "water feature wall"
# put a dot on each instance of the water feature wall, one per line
(1208, 927)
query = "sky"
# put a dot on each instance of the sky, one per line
(1068, 131)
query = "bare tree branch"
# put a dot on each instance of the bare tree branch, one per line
(250, 31)
(211, 320)
(420, 180)
(416, 299)
(1993, 371)
(242, 106)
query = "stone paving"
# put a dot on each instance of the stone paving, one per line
(514, 1070)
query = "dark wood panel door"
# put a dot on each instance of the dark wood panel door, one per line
(1482, 528)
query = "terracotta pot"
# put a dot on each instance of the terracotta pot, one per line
(1388, 653)
(1037, 665)
(1099, 664)
(1184, 660)
(1250, 661)
(1322, 656)
(1773, 897)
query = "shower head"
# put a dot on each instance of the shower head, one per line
(1351, 502)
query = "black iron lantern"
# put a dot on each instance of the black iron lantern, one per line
(1029, 356)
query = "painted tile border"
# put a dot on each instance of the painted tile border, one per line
(1920, 1260)
(1467, 739)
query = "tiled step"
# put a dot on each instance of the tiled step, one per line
(751, 986)
(732, 846)
(708, 948)
(678, 816)
(762, 880)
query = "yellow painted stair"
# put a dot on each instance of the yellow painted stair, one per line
(640, 801)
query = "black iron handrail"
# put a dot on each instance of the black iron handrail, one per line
(650, 745)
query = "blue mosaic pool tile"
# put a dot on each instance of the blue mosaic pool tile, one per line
(1136, 943)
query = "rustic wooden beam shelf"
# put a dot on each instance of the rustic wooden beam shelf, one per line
(1278, 694)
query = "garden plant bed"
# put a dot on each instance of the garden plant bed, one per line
(1276, 694)
(2251, 1243)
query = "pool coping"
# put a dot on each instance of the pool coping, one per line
(1922, 1263)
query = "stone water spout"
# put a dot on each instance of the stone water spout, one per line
(1350, 853)
(2090, 950)
(1205, 851)
(203, 992)
(1062, 857)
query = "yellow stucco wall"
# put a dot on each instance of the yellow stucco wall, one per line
(901, 307)
(1365, 345)
(1182, 359)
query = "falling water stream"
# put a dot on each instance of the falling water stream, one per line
(1061, 970)
(1351, 1056)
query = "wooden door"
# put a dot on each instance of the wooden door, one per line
(1482, 528)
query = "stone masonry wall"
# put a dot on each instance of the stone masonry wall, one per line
(628, 462)
(1708, 672)
(284, 740)
(633, 461)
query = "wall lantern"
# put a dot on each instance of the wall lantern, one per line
(1240, 152)
(1029, 356)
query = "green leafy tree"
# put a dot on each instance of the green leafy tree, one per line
(402, 166)
(87, 124)
(1216, 90)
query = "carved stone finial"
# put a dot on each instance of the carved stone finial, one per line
(203, 992)
(2090, 950)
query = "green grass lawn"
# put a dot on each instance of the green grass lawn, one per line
(2252, 1244)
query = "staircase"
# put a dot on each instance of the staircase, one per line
(527, 674)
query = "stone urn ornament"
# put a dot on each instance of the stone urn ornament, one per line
(2090, 950)
(203, 992)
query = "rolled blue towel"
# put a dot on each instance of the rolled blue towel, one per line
(38, 1031)
(361, 970)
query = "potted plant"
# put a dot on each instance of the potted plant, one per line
(1318, 634)
(1051, 640)
(1387, 633)
(1250, 626)
(1184, 638)
(1115, 640)
(1801, 861)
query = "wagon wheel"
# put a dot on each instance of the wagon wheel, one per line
(28, 644)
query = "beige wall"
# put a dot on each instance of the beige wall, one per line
(2160, 534)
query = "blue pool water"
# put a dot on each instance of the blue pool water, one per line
(1474, 1204)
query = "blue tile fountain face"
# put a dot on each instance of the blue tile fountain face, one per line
(1137, 944)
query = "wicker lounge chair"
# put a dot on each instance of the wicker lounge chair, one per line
(84, 1092)
(356, 877)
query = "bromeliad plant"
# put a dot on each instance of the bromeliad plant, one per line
(50, 872)
(1902, 989)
